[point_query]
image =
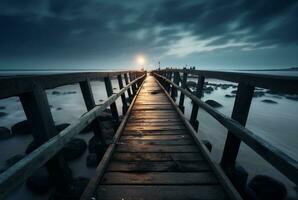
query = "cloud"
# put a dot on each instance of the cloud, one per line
(79, 29)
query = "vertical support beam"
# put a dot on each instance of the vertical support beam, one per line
(176, 81)
(195, 108)
(134, 89)
(128, 90)
(38, 113)
(168, 85)
(123, 98)
(90, 104)
(113, 106)
(240, 113)
(183, 85)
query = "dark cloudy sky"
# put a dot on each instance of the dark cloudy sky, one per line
(213, 34)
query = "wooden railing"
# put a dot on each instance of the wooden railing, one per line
(236, 123)
(31, 91)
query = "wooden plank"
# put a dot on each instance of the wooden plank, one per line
(159, 132)
(175, 120)
(162, 192)
(165, 166)
(150, 128)
(153, 107)
(136, 192)
(155, 123)
(165, 178)
(142, 117)
(182, 142)
(145, 156)
(155, 148)
(156, 137)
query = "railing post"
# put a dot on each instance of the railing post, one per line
(183, 85)
(195, 108)
(128, 90)
(113, 106)
(168, 85)
(134, 89)
(38, 113)
(174, 92)
(240, 113)
(90, 104)
(124, 107)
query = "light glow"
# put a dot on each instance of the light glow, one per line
(140, 60)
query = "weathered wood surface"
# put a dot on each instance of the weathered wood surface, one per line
(20, 171)
(156, 157)
(280, 160)
(15, 85)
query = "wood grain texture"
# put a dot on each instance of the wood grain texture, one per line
(156, 157)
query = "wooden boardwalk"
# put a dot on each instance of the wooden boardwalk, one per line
(156, 157)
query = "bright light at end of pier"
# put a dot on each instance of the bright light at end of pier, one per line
(140, 60)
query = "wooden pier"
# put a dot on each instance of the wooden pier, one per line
(156, 152)
(156, 156)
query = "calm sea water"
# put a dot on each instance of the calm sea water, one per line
(276, 123)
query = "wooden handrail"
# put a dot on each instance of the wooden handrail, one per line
(281, 161)
(19, 172)
(285, 84)
(13, 86)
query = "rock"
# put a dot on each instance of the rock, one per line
(74, 149)
(96, 147)
(234, 91)
(31, 147)
(239, 176)
(87, 129)
(70, 92)
(61, 127)
(269, 101)
(5, 133)
(92, 160)
(78, 186)
(3, 114)
(213, 103)
(56, 92)
(59, 108)
(104, 116)
(265, 187)
(292, 97)
(230, 96)
(208, 145)
(274, 92)
(208, 90)
(14, 159)
(40, 182)
(3, 168)
(107, 124)
(2, 107)
(22, 128)
(191, 84)
(258, 94)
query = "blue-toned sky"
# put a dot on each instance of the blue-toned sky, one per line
(91, 34)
